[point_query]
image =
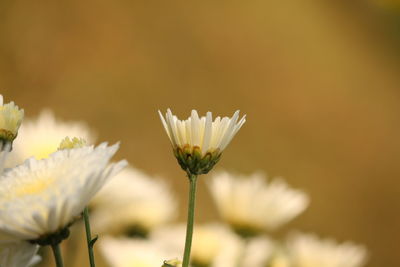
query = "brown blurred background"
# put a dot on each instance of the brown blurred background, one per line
(318, 80)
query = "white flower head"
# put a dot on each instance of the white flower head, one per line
(307, 250)
(42, 197)
(147, 203)
(214, 245)
(18, 254)
(198, 142)
(41, 136)
(128, 252)
(251, 205)
(10, 120)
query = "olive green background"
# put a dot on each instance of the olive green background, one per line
(318, 80)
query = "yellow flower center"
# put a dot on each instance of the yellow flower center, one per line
(75, 142)
(34, 187)
(42, 150)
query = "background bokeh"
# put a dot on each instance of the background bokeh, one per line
(318, 80)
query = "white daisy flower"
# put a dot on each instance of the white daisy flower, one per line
(41, 136)
(18, 254)
(147, 203)
(10, 120)
(214, 245)
(199, 142)
(307, 250)
(128, 252)
(250, 205)
(41, 198)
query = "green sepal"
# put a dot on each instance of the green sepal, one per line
(52, 239)
(6, 135)
(193, 162)
(246, 231)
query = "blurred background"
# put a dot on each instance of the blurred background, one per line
(318, 80)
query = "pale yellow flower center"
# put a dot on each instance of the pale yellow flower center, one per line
(42, 150)
(75, 142)
(33, 187)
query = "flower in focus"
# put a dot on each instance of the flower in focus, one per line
(132, 203)
(41, 137)
(128, 252)
(199, 142)
(307, 250)
(214, 245)
(41, 198)
(251, 206)
(18, 254)
(10, 120)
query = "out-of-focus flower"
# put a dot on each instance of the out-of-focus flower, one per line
(18, 254)
(132, 203)
(10, 120)
(128, 252)
(41, 137)
(40, 198)
(251, 206)
(280, 259)
(214, 245)
(257, 252)
(199, 142)
(307, 250)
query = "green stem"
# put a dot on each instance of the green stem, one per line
(190, 220)
(57, 255)
(90, 241)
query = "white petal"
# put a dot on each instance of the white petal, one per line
(207, 133)
(195, 128)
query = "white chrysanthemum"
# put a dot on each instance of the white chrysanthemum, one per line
(132, 200)
(18, 254)
(214, 245)
(307, 250)
(125, 252)
(200, 138)
(10, 120)
(41, 197)
(250, 205)
(41, 136)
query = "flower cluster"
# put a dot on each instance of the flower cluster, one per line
(54, 176)
(41, 198)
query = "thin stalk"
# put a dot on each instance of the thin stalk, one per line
(90, 241)
(190, 220)
(57, 255)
